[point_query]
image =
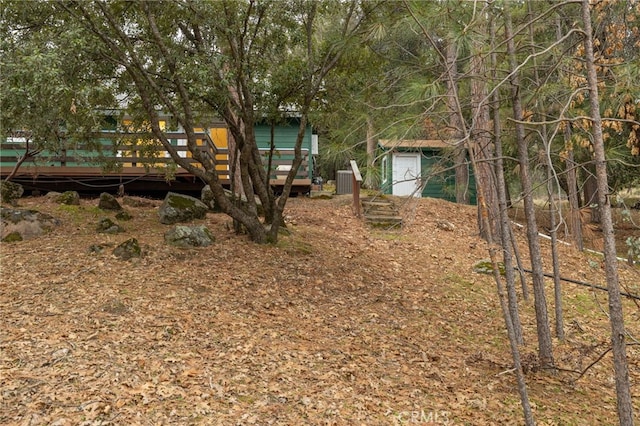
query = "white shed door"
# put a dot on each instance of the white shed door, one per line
(406, 174)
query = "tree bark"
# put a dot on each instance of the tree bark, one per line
(482, 145)
(545, 348)
(505, 233)
(370, 181)
(575, 219)
(456, 129)
(616, 318)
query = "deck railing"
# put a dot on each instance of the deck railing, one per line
(139, 158)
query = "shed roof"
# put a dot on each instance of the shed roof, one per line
(414, 143)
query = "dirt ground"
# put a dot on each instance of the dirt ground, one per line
(338, 324)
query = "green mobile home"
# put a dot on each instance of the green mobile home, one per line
(419, 168)
(284, 137)
(144, 165)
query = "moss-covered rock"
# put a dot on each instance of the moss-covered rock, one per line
(18, 225)
(108, 202)
(71, 198)
(181, 208)
(10, 192)
(107, 226)
(189, 236)
(12, 237)
(124, 215)
(128, 250)
(486, 267)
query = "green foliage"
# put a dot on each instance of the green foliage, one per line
(48, 94)
(486, 267)
(633, 252)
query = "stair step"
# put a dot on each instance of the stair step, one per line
(376, 203)
(386, 219)
(385, 213)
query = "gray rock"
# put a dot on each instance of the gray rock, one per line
(128, 250)
(71, 198)
(181, 208)
(136, 202)
(206, 196)
(123, 215)
(10, 192)
(107, 226)
(18, 225)
(189, 236)
(108, 202)
(52, 195)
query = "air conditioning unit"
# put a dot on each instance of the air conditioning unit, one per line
(344, 182)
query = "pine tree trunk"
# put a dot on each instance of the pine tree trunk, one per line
(575, 219)
(505, 233)
(616, 318)
(370, 181)
(456, 126)
(545, 348)
(483, 148)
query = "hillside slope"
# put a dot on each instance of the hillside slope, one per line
(337, 324)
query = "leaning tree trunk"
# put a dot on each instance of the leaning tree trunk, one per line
(616, 318)
(545, 348)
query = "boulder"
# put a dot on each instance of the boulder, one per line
(10, 192)
(71, 198)
(123, 215)
(181, 208)
(189, 236)
(206, 196)
(52, 195)
(18, 225)
(128, 250)
(108, 202)
(136, 202)
(107, 226)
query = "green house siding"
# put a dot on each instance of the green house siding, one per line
(285, 138)
(440, 175)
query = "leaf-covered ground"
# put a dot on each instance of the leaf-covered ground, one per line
(338, 324)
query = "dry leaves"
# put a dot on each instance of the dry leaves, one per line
(338, 324)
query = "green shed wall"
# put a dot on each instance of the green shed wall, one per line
(441, 185)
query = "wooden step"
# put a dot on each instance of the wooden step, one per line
(383, 219)
(385, 213)
(376, 203)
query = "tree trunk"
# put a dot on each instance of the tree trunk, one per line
(616, 318)
(456, 126)
(557, 287)
(545, 348)
(591, 195)
(370, 180)
(507, 255)
(575, 219)
(551, 179)
(28, 153)
(482, 145)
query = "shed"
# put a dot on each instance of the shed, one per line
(408, 164)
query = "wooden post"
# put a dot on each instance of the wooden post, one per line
(356, 180)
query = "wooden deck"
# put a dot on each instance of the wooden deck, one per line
(143, 170)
